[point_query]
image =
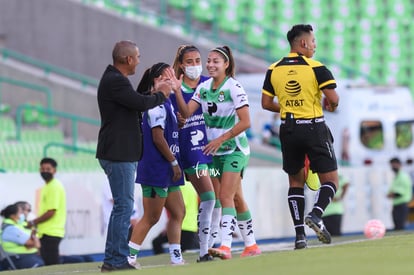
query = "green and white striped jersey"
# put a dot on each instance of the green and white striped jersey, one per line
(219, 110)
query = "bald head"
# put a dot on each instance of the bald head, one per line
(122, 50)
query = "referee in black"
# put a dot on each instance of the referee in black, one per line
(298, 82)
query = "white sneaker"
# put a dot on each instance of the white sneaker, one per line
(132, 261)
(178, 263)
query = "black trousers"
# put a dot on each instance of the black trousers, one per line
(333, 224)
(49, 249)
(399, 216)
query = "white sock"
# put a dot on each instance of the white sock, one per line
(228, 225)
(215, 226)
(246, 230)
(175, 253)
(204, 221)
(134, 248)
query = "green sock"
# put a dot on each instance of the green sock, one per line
(133, 248)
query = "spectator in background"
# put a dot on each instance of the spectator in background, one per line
(332, 217)
(20, 243)
(26, 208)
(51, 218)
(401, 194)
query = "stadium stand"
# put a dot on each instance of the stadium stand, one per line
(358, 38)
(370, 36)
(24, 155)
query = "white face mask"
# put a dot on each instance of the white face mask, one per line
(22, 218)
(193, 72)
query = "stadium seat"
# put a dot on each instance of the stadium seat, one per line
(4, 108)
(203, 10)
(7, 127)
(179, 4)
(231, 15)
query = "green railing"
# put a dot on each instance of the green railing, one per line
(67, 147)
(74, 118)
(48, 68)
(28, 85)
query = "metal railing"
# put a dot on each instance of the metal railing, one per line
(75, 119)
(48, 68)
(67, 147)
(37, 88)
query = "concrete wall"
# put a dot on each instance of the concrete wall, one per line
(265, 190)
(80, 38)
(67, 96)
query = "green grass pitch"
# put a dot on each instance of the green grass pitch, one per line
(349, 255)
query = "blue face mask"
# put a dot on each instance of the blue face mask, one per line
(22, 218)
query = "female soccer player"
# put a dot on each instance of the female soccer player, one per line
(192, 140)
(226, 114)
(159, 172)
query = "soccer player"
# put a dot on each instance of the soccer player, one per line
(225, 109)
(192, 140)
(159, 172)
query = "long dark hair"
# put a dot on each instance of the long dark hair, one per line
(147, 80)
(227, 54)
(9, 210)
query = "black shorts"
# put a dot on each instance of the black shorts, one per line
(315, 140)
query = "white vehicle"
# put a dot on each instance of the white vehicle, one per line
(372, 124)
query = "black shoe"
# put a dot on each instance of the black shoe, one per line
(109, 268)
(316, 224)
(205, 258)
(300, 241)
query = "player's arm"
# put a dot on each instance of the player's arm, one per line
(268, 95)
(186, 109)
(332, 99)
(327, 84)
(44, 217)
(269, 104)
(159, 141)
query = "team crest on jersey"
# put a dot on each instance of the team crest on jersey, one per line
(221, 96)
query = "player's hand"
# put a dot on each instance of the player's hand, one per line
(212, 147)
(177, 173)
(163, 84)
(180, 120)
(175, 82)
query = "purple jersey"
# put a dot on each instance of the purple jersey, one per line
(154, 169)
(192, 138)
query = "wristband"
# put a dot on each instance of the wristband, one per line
(174, 163)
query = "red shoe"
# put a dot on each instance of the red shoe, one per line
(223, 252)
(252, 250)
